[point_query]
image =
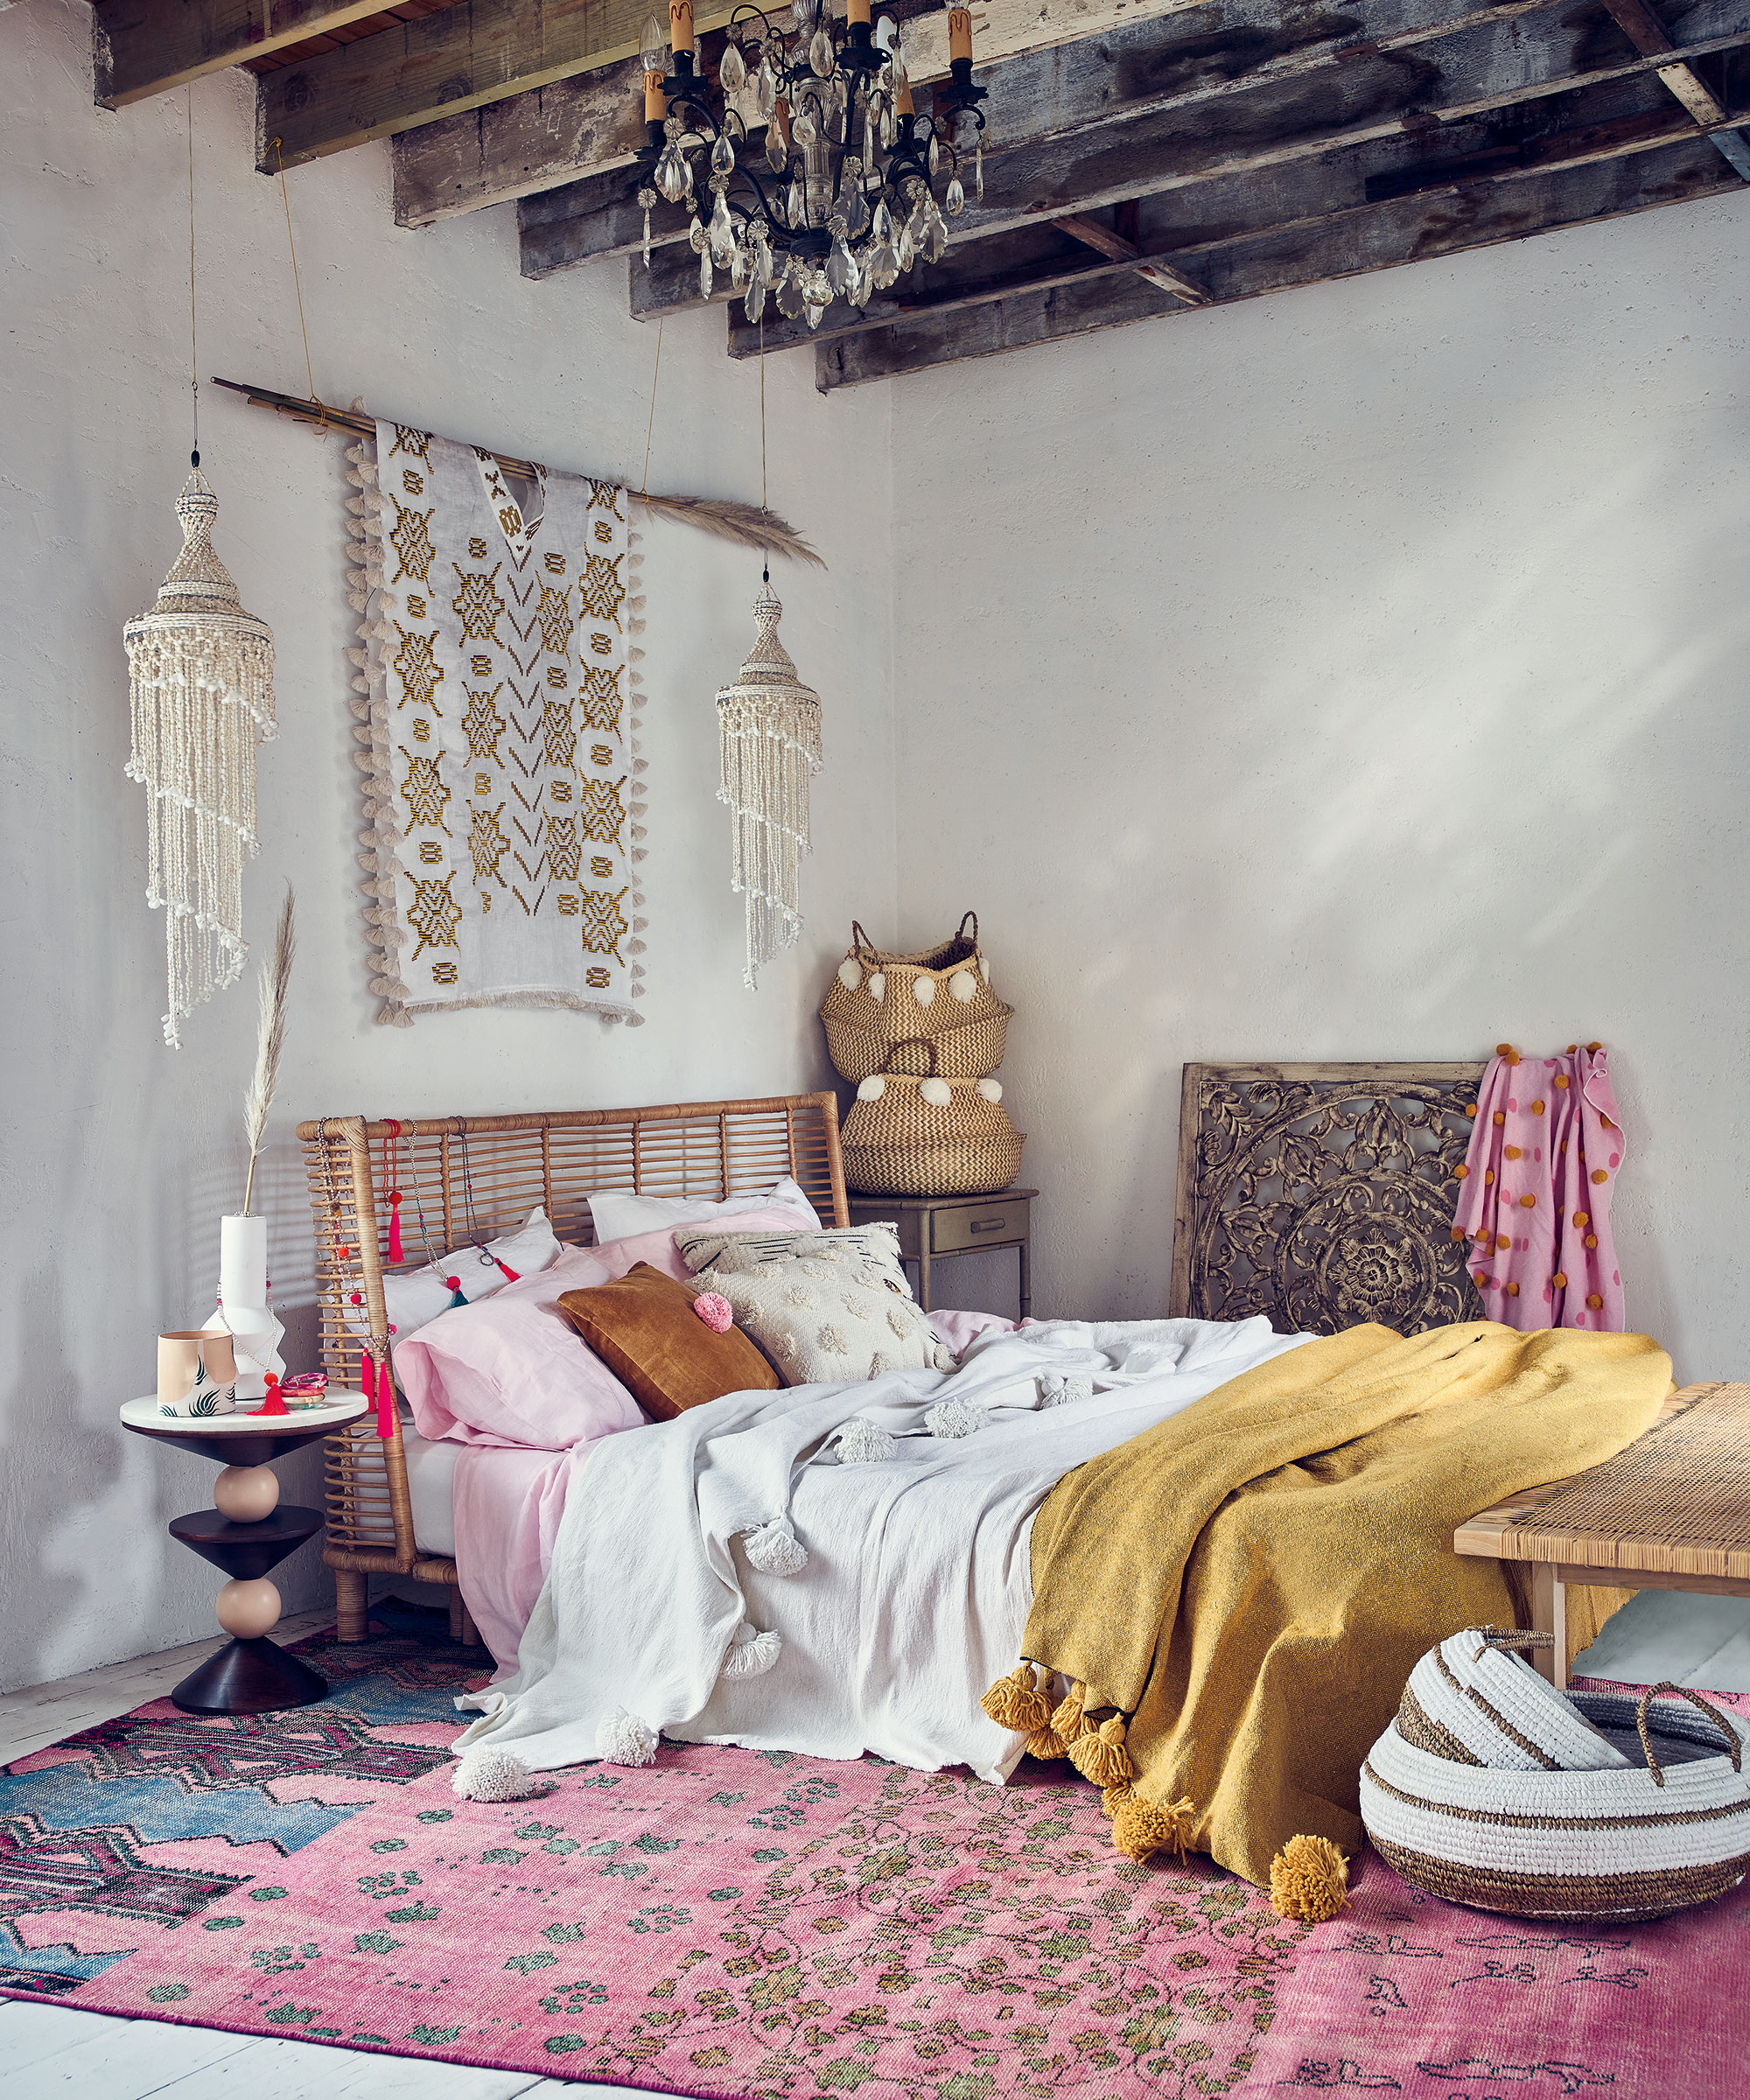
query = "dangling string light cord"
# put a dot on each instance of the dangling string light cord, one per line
(650, 428)
(193, 351)
(296, 286)
(765, 550)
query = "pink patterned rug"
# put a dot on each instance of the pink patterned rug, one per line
(734, 1923)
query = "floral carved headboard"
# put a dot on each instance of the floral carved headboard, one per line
(1322, 1195)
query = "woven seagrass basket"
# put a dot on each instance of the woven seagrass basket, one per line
(1494, 1789)
(910, 1136)
(878, 999)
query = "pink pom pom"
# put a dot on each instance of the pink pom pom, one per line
(715, 1310)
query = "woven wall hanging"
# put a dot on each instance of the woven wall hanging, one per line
(201, 679)
(497, 701)
(769, 725)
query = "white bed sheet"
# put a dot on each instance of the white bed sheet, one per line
(431, 1490)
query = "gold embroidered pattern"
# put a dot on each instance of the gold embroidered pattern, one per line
(422, 730)
(603, 926)
(414, 483)
(477, 546)
(411, 540)
(488, 843)
(562, 852)
(481, 665)
(568, 904)
(601, 866)
(604, 532)
(416, 444)
(416, 604)
(556, 678)
(431, 853)
(601, 754)
(596, 977)
(605, 495)
(443, 973)
(602, 644)
(602, 812)
(483, 723)
(601, 589)
(434, 914)
(558, 738)
(556, 563)
(418, 669)
(423, 790)
(558, 791)
(601, 699)
(556, 622)
(479, 603)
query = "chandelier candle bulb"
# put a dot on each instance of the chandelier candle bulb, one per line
(959, 33)
(904, 106)
(655, 102)
(681, 25)
(857, 10)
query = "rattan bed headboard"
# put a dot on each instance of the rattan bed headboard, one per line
(473, 1176)
(1323, 1195)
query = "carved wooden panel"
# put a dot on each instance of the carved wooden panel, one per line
(1322, 1195)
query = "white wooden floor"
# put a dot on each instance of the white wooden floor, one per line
(56, 2049)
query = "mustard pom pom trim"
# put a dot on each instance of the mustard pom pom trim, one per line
(1016, 1702)
(1309, 1878)
(1143, 1828)
(1099, 1753)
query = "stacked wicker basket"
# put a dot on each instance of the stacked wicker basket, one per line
(921, 1036)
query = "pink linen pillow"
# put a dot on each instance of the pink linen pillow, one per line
(509, 1371)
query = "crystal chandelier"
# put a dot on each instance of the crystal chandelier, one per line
(806, 170)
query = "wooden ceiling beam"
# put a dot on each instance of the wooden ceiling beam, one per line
(1320, 158)
(144, 48)
(1161, 131)
(485, 51)
(1381, 237)
(1648, 35)
(1119, 248)
(509, 150)
(1184, 229)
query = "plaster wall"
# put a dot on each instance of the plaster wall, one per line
(119, 1154)
(1356, 674)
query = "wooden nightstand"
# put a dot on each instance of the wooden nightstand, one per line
(932, 1227)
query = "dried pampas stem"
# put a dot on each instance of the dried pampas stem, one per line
(269, 1040)
(746, 524)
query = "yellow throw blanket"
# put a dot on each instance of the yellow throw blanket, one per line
(1251, 1582)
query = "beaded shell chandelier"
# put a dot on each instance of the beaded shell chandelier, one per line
(805, 170)
(769, 727)
(201, 677)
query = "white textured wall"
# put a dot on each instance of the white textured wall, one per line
(1359, 672)
(119, 1154)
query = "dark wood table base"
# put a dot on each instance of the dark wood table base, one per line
(249, 1676)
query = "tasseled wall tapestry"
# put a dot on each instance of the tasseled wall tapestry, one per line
(201, 671)
(497, 698)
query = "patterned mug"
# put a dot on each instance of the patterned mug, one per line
(197, 1370)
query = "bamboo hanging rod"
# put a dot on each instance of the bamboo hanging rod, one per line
(744, 524)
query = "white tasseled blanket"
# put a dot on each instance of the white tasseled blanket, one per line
(916, 1585)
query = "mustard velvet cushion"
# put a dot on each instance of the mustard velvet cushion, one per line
(645, 1330)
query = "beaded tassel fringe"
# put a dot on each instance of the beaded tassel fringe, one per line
(202, 698)
(770, 727)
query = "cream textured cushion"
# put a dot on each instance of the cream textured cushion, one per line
(825, 1307)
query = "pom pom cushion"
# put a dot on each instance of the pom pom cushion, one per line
(825, 1305)
(512, 1370)
(643, 1327)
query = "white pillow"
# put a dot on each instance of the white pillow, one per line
(415, 1296)
(617, 1217)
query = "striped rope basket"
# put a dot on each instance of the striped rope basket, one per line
(880, 999)
(1492, 1788)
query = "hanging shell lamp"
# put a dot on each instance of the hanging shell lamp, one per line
(769, 723)
(202, 697)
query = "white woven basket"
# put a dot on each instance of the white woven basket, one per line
(1491, 1789)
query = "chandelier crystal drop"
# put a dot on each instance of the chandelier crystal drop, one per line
(825, 183)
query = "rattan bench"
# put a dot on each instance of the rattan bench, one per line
(470, 1178)
(1671, 1512)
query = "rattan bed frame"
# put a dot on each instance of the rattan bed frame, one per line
(477, 1176)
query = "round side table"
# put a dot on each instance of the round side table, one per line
(247, 1533)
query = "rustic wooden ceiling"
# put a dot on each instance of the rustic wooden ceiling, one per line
(1145, 158)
